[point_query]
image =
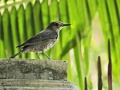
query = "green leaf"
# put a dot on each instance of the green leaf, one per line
(78, 62)
(14, 28)
(7, 34)
(2, 49)
(22, 26)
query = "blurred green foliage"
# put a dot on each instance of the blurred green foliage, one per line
(20, 21)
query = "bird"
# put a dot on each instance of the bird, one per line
(43, 41)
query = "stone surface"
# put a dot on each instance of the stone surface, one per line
(29, 74)
(33, 69)
(35, 84)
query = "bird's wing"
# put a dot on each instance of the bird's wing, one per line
(42, 36)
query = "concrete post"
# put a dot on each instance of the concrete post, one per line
(29, 74)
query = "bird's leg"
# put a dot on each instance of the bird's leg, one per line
(38, 55)
(46, 55)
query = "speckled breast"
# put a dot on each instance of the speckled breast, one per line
(50, 44)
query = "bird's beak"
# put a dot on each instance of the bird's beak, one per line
(65, 24)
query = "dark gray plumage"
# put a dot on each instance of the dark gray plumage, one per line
(42, 41)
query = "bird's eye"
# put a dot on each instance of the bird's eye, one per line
(56, 24)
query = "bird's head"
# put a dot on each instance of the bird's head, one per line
(57, 26)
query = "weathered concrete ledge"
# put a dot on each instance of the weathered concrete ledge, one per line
(33, 69)
(25, 84)
(30, 74)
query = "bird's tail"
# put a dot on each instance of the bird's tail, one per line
(17, 54)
